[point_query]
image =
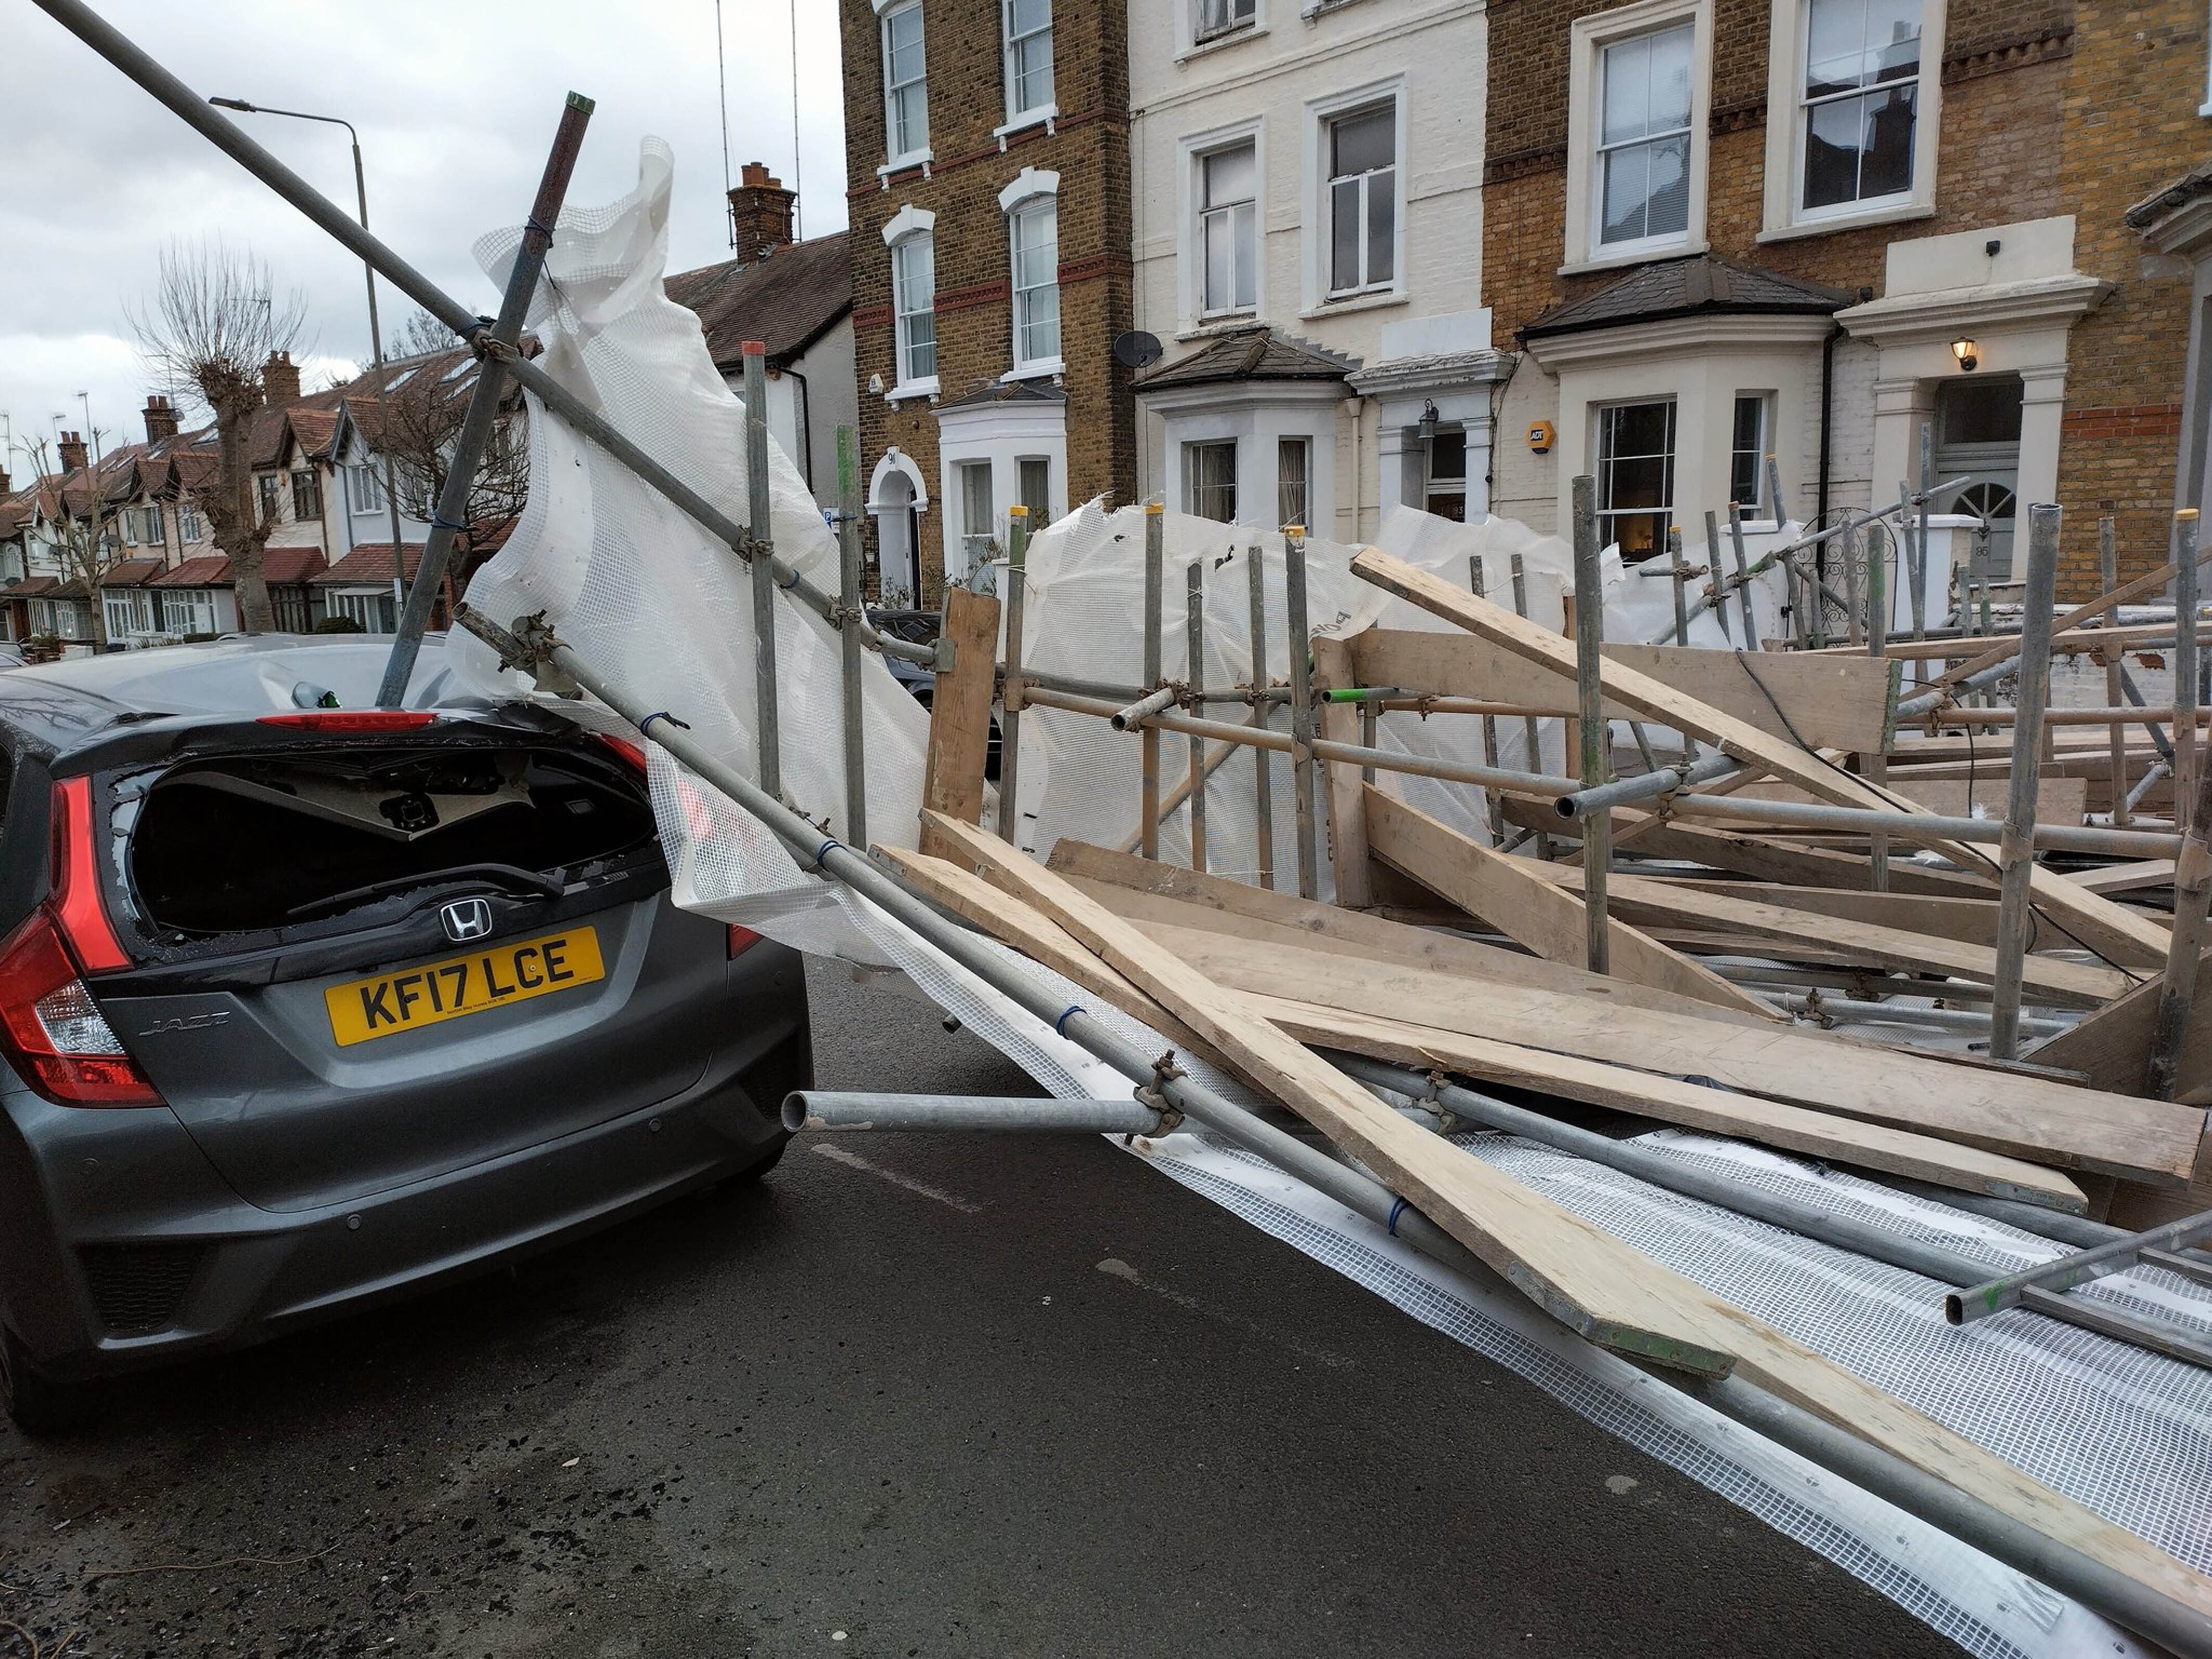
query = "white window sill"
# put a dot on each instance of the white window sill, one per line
(1219, 322)
(1028, 119)
(1043, 369)
(1216, 42)
(921, 158)
(906, 391)
(1621, 261)
(1351, 302)
(1896, 213)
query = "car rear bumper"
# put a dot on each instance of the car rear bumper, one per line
(121, 1247)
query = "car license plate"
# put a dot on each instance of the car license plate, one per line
(514, 970)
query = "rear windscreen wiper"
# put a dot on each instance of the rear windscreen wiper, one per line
(511, 875)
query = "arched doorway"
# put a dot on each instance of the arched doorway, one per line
(896, 499)
(1977, 438)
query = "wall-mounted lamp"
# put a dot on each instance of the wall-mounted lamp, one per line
(1967, 353)
(1428, 428)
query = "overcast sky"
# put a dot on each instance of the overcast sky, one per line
(456, 101)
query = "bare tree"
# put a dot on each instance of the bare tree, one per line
(214, 319)
(81, 525)
(422, 424)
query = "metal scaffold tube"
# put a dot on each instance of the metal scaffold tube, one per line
(852, 1110)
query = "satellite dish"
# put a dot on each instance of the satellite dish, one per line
(1137, 350)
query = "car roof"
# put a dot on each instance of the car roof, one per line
(58, 705)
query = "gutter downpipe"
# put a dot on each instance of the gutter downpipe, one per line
(1836, 332)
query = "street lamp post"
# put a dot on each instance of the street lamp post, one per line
(376, 338)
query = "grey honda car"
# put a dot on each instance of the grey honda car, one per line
(305, 1005)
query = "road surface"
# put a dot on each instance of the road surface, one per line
(908, 1397)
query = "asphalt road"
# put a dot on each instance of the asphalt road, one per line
(891, 1407)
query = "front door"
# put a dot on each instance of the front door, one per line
(1977, 438)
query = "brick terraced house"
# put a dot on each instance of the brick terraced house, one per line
(987, 165)
(1817, 228)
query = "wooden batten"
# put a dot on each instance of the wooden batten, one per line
(960, 712)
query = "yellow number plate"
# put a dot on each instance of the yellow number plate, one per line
(514, 970)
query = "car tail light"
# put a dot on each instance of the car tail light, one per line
(354, 721)
(633, 754)
(742, 939)
(52, 1029)
(76, 896)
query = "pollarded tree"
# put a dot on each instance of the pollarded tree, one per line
(213, 322)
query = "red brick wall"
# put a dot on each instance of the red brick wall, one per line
(2049, 107)
(2131, 126)
(1089, 149)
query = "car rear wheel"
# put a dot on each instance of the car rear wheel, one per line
(38, 1403)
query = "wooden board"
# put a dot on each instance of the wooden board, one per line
(2108, 929)
(2062, 984)
(2021, 1116)
(1635, 1303)
(1830, 701)
(1768, 859)
(2113, 1046)
(2127, 878)
(1515, 897)
(1582, 1275)
(960, 712)
(1340, 785)
(1717, 1111)
(1969, 920)
(1167, 892)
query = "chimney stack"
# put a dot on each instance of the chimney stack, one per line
(760, 213)
(5, 491)
(161, 418)
(73, 452)
(280, 381)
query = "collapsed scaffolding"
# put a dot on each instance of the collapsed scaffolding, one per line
(766, 798)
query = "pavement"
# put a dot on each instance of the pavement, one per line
(907, 1397)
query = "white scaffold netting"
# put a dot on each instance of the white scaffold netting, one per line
(661, 607)
(664, 611)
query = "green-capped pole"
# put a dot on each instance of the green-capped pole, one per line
(851, 603)
(1262, 761)
(1010, 726)
(1589, 718)
(1195, 643)
(1302, 708)
(1148, 743)
(1531, 733)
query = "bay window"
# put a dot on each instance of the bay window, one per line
(1209, 471)
(1636, 477)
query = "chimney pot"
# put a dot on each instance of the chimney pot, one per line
(761, 211)
(161, 419)
(280, 381)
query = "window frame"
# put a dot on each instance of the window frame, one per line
(364, 490)
(1588, 38)
(1757, 507)
(1318, 297)
(181, 607)
(976, 544)
(1664, 241)
(1305, 481)
(1784, 219)
(191, 526)
(1672, 454)
(1191, 450)
(1019, 114)
(1364, 181)
(911, 226)
(1030, 208)
(1041, 507)
(1200, 35)
(307, 495)
(268, 493)
(894, 156)
(1200, 211)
